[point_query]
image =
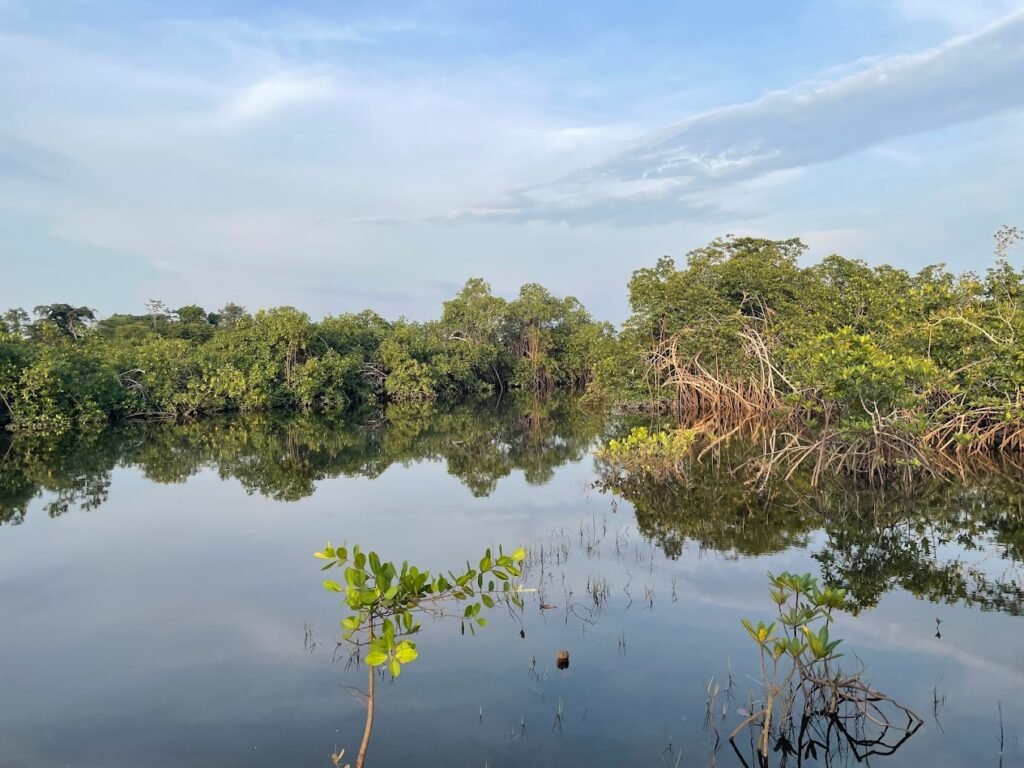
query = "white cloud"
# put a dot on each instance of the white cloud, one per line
(275, 94)
(235, 157)
(665, 176)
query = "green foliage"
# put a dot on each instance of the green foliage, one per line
(873, 370)
(704, 305)
(66, 371)
(551, 341)
(67, 319)
(322, 383)
(809, 703)
(805, 612)
(645, 453)
(386, 599)
(850, 370)
(55, 384)
(876, 367)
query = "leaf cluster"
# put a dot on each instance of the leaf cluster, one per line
(386, 599)
(801, 630)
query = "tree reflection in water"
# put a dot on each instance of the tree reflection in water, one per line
(282, 457)
(946, 541)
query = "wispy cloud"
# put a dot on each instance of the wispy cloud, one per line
(274, 94)
(960, 15)
(295, 30)
(282, 37)
(232, 154)
(24, 160)
(668, 175)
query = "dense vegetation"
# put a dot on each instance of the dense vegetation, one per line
(66, 370)
(858, 368)
(865, 368)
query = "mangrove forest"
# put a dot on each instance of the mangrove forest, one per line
(842, 365)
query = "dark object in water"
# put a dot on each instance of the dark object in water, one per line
(562, 659)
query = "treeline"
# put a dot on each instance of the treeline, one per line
(864, 368)
(867, 368)
(64, 369)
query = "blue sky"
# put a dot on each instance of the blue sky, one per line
(336, 156)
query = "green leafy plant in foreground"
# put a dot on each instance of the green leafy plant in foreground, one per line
(809, 703)
(386, 599)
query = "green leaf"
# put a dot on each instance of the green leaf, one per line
(395, 667)
(406, 653)
(376, 658)
(332, 586)
(749, 627)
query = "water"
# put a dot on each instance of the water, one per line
(161, 605)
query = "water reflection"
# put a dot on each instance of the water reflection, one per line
(946, 542)
(282, 457)
(111, 667)
(943, 541)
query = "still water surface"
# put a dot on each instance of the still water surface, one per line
(161, 606)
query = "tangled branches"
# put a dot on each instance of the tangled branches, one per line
(810, 708)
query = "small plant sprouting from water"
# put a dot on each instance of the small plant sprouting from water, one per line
(644, 453)
(600, 591)
(559, 712)
(386, 600)
(809, 703)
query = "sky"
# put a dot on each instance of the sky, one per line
(336, 156)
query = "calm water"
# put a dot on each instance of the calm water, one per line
(161, 606)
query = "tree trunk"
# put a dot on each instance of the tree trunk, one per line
(368, 730)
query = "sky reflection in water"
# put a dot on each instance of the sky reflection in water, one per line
(158, 582)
